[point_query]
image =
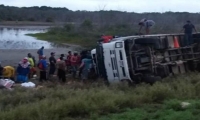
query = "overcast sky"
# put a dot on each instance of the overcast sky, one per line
(121, 5)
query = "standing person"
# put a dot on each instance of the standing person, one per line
(68, 61)
(52, 62)
(61, 69)
(42, 65)
(33, 57)
(74, 64)
(7, 72)
(32, 66)
(23, 70)
(40, 52)
(83, 55)
(147, 24)
(188, 29)
(86, 66)
(61, 55)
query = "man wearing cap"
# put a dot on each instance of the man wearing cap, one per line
(188, 29)
(147, 24)
(52, 62)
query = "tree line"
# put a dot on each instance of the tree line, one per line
(170, 21)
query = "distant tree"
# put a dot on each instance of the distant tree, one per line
(49, 19)
(87, 24)
(87, 20)
(69, 27)
(31, 19)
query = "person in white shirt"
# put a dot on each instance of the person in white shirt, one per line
(147, 24)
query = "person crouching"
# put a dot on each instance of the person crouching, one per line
(61, 69)
(23, 71)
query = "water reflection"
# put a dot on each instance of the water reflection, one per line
(16, 38)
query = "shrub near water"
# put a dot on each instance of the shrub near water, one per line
(65, 102)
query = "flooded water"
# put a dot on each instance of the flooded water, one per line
(15, 44)
(16, 38)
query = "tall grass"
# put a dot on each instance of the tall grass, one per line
(169, 110)
(86, 102)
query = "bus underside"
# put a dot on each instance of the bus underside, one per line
(151, 58)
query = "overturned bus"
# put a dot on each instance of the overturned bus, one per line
(146, 58)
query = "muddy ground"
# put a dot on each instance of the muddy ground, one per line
(13, 56)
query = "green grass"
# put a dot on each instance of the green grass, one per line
(61, 102)
(169, 110)
(81, 37)
(85, 41)
(84, 35)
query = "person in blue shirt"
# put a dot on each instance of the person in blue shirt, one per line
(42, 65)
(147, 24)
(40, 52)
(23, 70)
(86, 66)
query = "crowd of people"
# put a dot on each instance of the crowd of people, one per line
(71, 63)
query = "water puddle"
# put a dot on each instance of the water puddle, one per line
(16, 38)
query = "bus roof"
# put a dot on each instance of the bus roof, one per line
(143, 36)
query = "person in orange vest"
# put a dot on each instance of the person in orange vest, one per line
(74, 63)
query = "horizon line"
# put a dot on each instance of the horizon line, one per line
(169, 11)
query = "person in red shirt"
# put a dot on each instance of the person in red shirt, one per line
(68, 61)
(79, 63)
(74, 64)
(78, 59)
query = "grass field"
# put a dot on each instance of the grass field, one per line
(85, 34)
(95, 101)
(84, 41)
(169, 110)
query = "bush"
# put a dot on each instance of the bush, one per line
(87, 24)
(68, 27)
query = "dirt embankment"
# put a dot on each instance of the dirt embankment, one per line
(29, 23)
(13, 56)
